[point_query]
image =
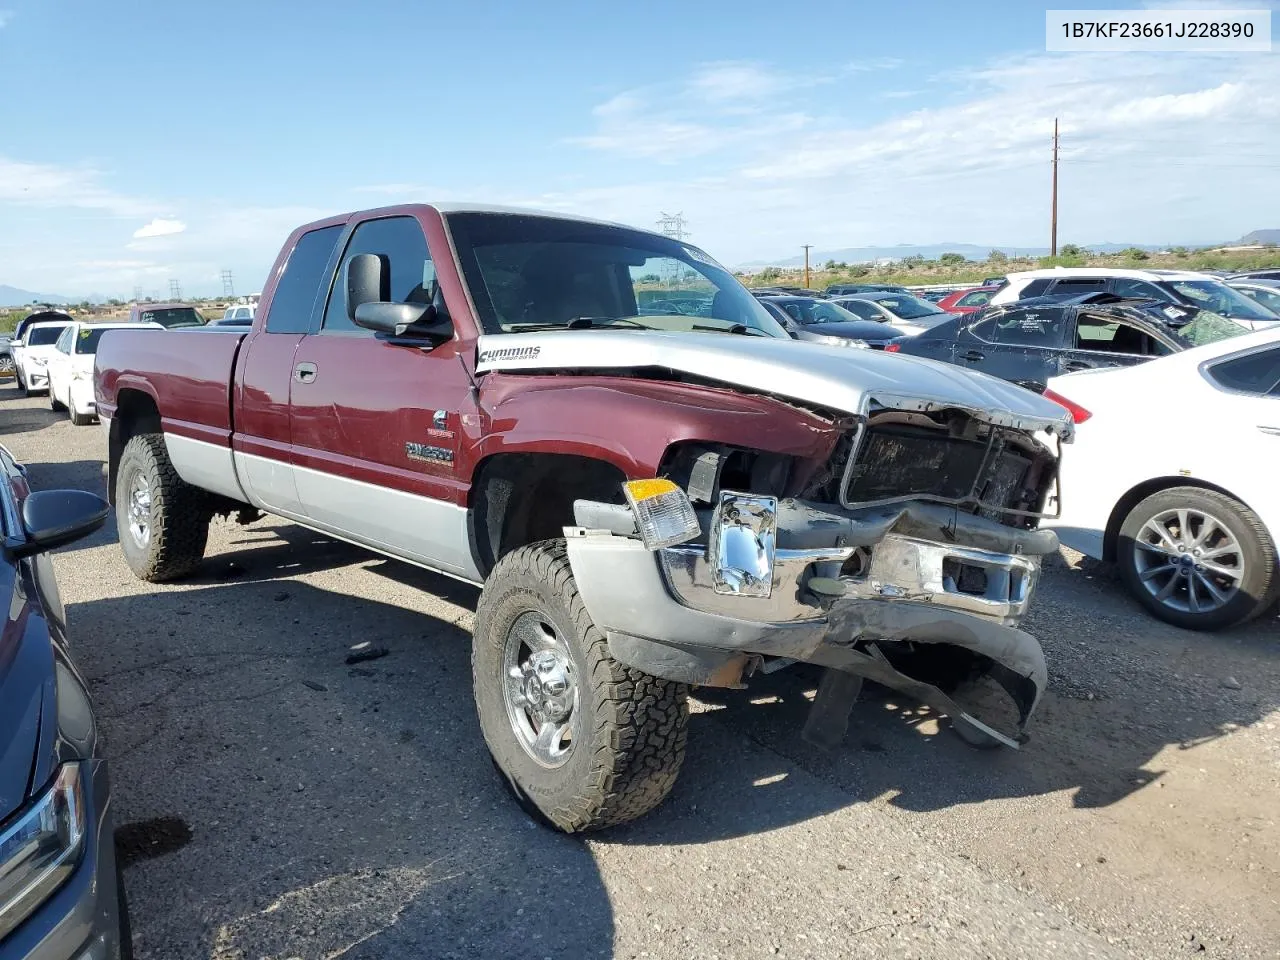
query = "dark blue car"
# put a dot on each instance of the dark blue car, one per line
(60, 895)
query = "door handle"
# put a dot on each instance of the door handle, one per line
(305, 372)
(973, 355)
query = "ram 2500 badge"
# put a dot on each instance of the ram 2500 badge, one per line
(656, 487)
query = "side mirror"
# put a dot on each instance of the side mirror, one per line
(369, 303)
(53, 518)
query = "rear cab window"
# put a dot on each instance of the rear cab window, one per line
(299, 285)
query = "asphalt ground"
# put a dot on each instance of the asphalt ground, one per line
(274, 802)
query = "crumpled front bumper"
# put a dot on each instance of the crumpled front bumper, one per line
(662, 613)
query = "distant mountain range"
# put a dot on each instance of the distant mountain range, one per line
(970, 251)
(15, 297)
(1260, 236)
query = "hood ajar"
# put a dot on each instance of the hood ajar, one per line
(833, 377)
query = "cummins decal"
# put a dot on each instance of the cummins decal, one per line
(427, 453)
(510, 353)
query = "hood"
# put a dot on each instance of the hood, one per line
(26, 679)
(836, 378)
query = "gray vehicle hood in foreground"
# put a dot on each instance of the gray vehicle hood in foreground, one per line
(833, 377)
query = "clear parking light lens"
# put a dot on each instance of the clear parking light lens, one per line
(743, 542)
(40, 848)
(663, 512)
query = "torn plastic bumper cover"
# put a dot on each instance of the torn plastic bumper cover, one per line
(662, 613)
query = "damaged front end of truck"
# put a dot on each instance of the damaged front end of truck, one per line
(908, 557)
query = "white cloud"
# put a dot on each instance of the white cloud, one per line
(49, 185)
(159, 227)
(1156, 148)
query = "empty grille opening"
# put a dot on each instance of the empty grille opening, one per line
(965, 577)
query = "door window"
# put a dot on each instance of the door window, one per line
(403, 247)
(64, 342)
(1103, 334)
(863, 309)
(296, 289)
(1253, 373)
(1022, 328)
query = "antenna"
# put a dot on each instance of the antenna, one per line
(228, 287)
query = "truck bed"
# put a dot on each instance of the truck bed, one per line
(187, 373)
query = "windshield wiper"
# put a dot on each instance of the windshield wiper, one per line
(578, 323)
(739, 328)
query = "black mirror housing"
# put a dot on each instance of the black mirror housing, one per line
(368, 281)
(419, 321)
(53, 518)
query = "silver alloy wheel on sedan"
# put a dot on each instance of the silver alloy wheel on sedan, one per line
(540, 689)
(6, 365)
(1189, 560)
(140, 510)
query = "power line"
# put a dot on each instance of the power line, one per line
(673, 225)
(175, 290)
(228, 287)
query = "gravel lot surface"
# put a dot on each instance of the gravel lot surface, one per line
(274, 802)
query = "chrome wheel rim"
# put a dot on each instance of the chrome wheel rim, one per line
(540, 688)
(1189, 561)
(140, 510)
(6, 364)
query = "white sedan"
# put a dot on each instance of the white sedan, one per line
(1173, 477)
(32, 353)
(70, 368)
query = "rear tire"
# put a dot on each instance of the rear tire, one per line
(626, 730)
(1149, 571)
(163, 522)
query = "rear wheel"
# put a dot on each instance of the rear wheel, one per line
(6, 365)
(1198, 558)
(163, 522)
(581, 740)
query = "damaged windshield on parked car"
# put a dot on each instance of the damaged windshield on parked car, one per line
(1209, 327)
(1218, 297)
(537, 273)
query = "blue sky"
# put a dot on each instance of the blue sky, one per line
(145, 141)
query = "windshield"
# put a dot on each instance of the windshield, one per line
(530, 273)
(173, 317)
(909, 307)
(43, 336)
(1218, 297)
(1209, 327)
(818, 311)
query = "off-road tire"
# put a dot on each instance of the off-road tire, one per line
(633, 728)
(1261, 585)
(179, 513)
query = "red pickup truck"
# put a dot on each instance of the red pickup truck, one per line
(652, 499)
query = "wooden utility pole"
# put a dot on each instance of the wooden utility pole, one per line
(1053, 219)
(807, 247)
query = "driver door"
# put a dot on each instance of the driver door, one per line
(376, 426)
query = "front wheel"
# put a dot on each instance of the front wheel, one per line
(1198, 558)
(54, 403)
(583, 741)
(163, 521)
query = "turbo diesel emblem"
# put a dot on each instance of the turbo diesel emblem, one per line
(427, 453)
(510, 353)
